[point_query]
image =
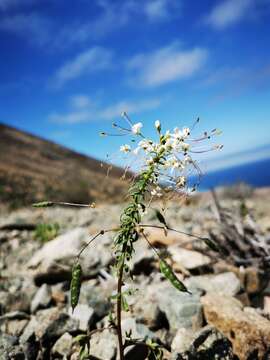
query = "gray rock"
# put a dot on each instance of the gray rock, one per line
(103, 345)
(181, 310)
(207, 343)
(48, 325)
(84, 314)
(96, 297)
(14, 327)
(182, 340)
(63, 345)
(42, 298)
(143, 259)
(225, 283)
(137, 330)
(53, 262)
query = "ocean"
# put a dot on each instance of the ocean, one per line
(256, 174)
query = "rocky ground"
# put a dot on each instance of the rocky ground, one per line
(226, 316)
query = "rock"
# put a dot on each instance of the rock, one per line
(226, 283)
(252, 280)
(138, 331)
(7, 341)
(58, 295)
(207, 343)
(84, 314)
(15, 327)
(17, 301)
(63, 345)
(103, 345)
(42, 298)
(188, 259)
(176, 309)
(143, 260)
(182, 340)
(48, 325)
(53, 262)
(248, 331)
(157, 237)
(266, 304)
(96, 297)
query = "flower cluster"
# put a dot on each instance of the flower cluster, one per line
(170, 155)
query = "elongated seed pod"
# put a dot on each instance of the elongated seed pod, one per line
(75, 285)
(43, 204)
(167, 271)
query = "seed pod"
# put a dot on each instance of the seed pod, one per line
(167, 271)
(75, 285)
(43, 204)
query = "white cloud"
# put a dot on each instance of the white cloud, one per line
(33, 26)
(80, 101)
(6, 5)
(115, 15)
(228, 12)
(96, 113)
(166, 65)
(130, 107)
(162, 9)
(90, 61)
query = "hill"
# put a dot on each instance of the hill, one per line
(34, 169)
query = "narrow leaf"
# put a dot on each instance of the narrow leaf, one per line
(169, 274)
(124, 303)
(160, 218)
(211, 244)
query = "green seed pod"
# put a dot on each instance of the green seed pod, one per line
(75, 285)
(167, 271)
(43, 204)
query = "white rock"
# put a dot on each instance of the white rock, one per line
(225, 283)
(42, 298)
(188, 259)
(84, 314)
(63, 345)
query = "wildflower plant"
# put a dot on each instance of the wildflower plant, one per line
(165, 164)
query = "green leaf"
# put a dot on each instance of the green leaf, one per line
(211, 244)
(160, 217)
(124, 303)
(43, 204)
(169, 274)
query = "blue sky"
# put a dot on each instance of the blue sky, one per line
(69, 68)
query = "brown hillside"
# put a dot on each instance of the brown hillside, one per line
(34, 169)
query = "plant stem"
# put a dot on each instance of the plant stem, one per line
(119, 310)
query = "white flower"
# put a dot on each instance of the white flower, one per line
(185, 147)
(157, 125)
(186, 132)
(178, 135)
(181, 181)
(136, 151)
(125, 148)
(146, 145)
(150, 161)
(176, 164)
(136, 128)
(156, 192)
